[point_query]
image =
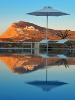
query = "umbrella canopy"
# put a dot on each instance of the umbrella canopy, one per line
(47, 86)
(47, 11)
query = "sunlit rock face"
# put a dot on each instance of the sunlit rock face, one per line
(24, 31)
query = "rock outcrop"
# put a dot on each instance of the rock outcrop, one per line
(17, 32)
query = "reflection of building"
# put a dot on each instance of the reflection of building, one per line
(58, 53)
(30, 67)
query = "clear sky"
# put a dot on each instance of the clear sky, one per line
(15, 10)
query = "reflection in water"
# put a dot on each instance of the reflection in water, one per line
(62, 62)
(22, 61)
(59, 85)
(25, 61)
(47, 86)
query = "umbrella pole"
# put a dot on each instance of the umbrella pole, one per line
(46, 70)
(46, 33)
(47, 45)
(47, 27)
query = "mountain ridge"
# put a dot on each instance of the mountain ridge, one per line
(17, 33)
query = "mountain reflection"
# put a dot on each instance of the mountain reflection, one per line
(25, 62)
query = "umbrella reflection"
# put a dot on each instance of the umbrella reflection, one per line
(47, 85)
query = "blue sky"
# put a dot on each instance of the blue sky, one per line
(15, 10)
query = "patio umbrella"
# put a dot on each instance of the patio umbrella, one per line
(47, 11)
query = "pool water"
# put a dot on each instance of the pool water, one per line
(37, 76)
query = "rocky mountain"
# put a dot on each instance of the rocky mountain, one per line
(29, 32)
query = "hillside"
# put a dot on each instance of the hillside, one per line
(17, 32)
